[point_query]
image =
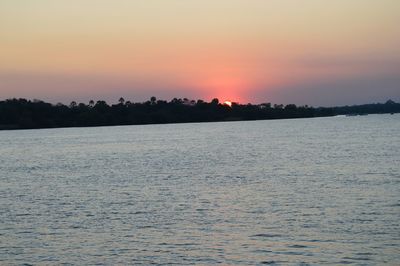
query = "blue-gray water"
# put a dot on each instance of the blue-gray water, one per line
(314, 191)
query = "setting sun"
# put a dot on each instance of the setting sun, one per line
(228, 103)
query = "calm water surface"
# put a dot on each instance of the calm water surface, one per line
(311, 191)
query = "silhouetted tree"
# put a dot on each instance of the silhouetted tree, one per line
(215, 101)
(73, 104)
(22, 113)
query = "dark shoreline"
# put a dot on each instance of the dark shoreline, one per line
(14, 128)
(18, 114)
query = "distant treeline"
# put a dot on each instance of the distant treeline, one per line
(26, 114)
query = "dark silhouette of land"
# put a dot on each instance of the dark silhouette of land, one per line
(27, 114)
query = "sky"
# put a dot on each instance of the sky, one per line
(314, 52)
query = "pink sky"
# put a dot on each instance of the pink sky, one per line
(282, 51)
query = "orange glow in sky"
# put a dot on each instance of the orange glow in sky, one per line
(282, 51)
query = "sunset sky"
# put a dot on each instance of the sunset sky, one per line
(315, 52)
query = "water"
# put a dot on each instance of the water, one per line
(312, 191)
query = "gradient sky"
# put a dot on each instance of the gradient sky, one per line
(315, 52)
